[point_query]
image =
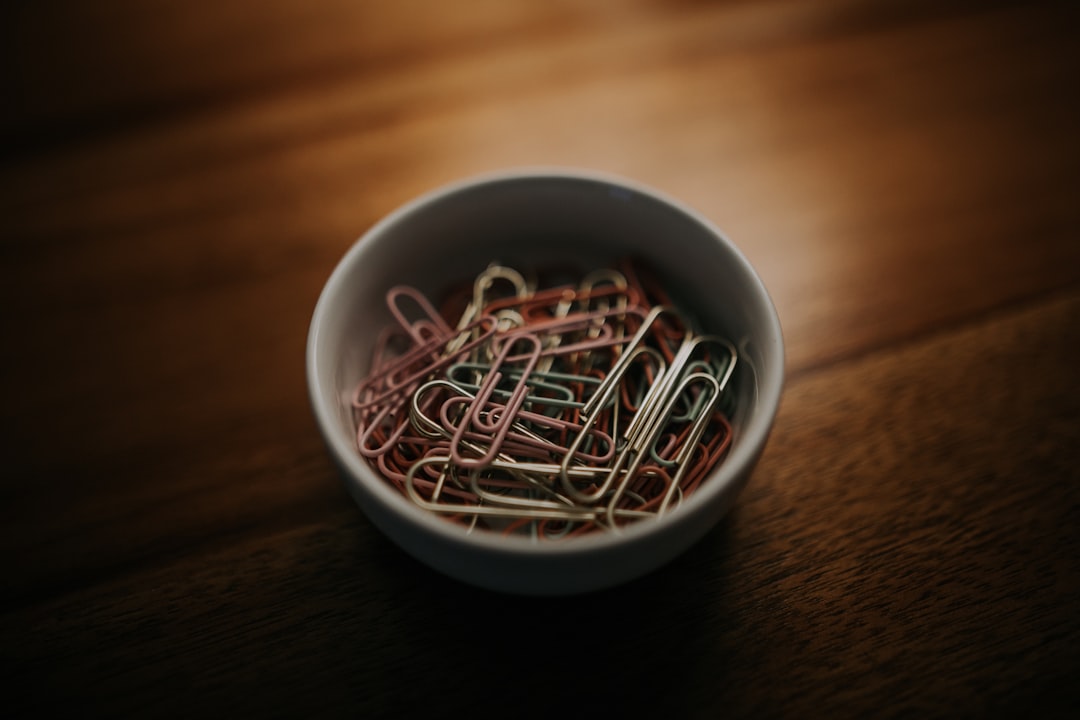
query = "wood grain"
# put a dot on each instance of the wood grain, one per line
(909, 571)
(176, 184)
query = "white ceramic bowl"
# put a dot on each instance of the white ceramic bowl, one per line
(538, 219)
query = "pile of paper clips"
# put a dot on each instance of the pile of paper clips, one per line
(550, 412)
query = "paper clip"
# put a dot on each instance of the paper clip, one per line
(551, 411)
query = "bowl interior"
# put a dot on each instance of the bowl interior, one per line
(540, 221)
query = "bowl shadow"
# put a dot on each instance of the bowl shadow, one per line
(638, 647)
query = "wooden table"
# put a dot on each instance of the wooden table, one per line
(178, 181)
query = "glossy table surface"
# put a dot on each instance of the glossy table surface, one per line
(177, 183)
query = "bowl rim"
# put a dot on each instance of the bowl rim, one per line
(360, 476)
